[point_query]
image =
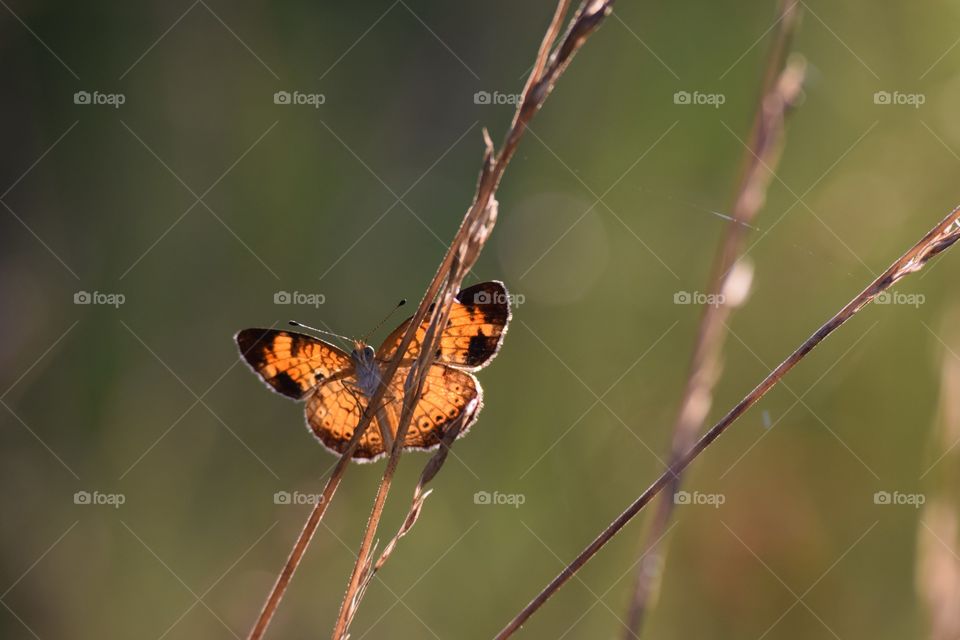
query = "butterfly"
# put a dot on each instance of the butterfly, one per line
(337, 385)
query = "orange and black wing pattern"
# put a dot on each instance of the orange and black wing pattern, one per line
(474, 332)
(334, 411)
(292, 364)
(303, 367)
(447, 394)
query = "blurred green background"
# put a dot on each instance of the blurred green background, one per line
(199, 199)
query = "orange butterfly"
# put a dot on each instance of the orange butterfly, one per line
(337, 385)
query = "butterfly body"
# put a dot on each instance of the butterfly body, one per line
(337, 386)
(368, 373)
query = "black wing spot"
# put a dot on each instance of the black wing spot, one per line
(286, 385)
(481, 348)
(296, 343)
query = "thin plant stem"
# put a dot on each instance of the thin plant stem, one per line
(938, 239)
(782, 84)
(296, 554)
(462, 254)
(319, 509)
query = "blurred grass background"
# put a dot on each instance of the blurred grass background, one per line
(148, 400)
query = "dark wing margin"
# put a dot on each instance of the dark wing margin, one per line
(291, 364)
(475, 331)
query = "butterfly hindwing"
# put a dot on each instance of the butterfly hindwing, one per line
(292, 364)
(475, 329)
(333, 413)
(447, 394)
(334, 410)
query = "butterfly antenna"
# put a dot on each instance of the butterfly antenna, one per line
(402, 302)
(294, 323)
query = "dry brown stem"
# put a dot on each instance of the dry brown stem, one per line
(782, 86)
(938, 239)
(460, 257)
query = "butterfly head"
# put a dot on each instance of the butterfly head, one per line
(362, 353)
(367, 370)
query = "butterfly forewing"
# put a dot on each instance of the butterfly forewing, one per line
(291, 363)
(478, 320)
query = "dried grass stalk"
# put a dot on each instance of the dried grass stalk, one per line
(938, 239)
(463, 251)
(460, 257)
(782, 86)
(420, 494)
